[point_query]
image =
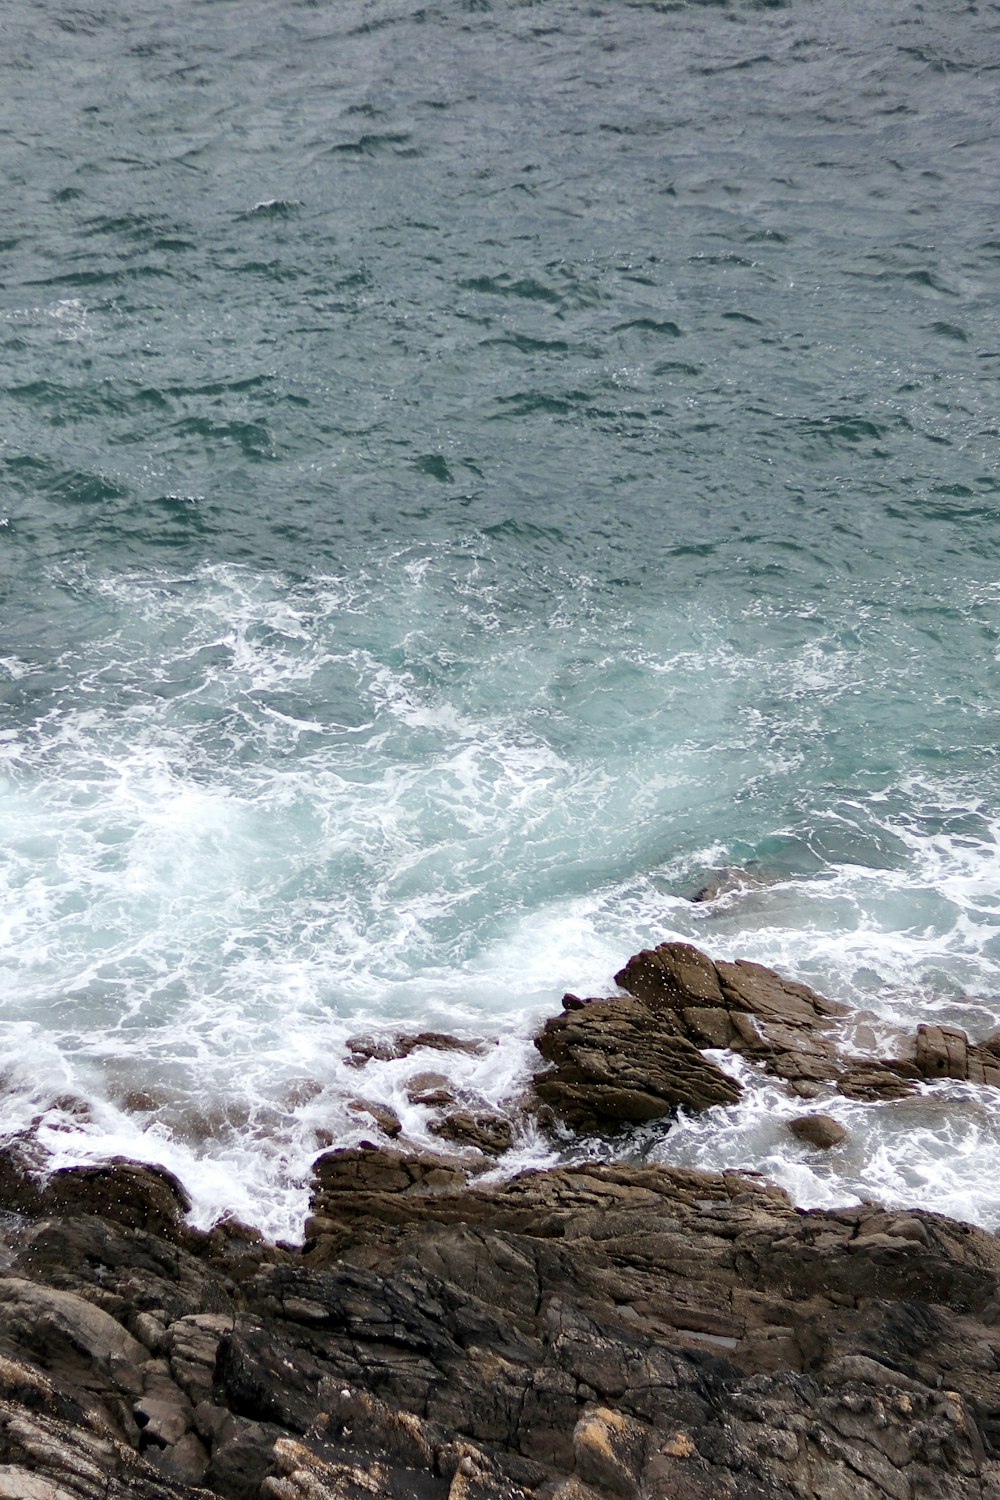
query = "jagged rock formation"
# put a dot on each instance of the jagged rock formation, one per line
(582, 1333)
(786, 1027)
(578, 1334)
(637, 1057)
(613, 1062)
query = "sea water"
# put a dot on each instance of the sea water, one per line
(473, 474)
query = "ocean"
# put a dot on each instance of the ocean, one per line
(472, 474)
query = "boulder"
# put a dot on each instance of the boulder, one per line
(614, 1062)
(138, 1195)
(482, 1129)
(818, 1130)
(785, 1027)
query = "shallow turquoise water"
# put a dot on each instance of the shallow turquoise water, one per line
(468, 472)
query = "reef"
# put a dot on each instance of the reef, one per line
(579, 1333)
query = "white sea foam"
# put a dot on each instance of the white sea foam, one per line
(258, 818)
(939, 1149)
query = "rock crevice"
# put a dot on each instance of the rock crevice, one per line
(587, 1332)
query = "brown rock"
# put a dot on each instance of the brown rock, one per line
(580, 1333)
(485, 1130)
(432, 1089)
(364, 1049)
(818, 1130)
(672, 972)
(136, 1194)
(946, 1052)
(21, 1177)
(615, 1061)
(785, 1027)
(586, 1332)
(610, 1450)
(385, 1118)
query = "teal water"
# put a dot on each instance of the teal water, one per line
(469, 474)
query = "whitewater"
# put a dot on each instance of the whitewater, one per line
(472, 476)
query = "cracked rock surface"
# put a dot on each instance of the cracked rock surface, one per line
(580, 1333)
(573, 1334)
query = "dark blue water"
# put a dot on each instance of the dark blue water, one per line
(469, 474)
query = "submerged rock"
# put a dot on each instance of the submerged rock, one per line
(381, 1115)
(365, 1049)
(726, 881)
(430, 1089)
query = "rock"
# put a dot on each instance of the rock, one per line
(614, 1063)
(625, 1059)
(431, 1089)
(589, 1332)
(385, 1118)
(192, 1346)
(818, 1130)
(186, 1461)
(61, 1328)
(724, 881)
(946, 1052)
(484, 1129)
(365, 1049)
(584, 1332)
(133, 1193)
(136, 1194)
(672, 972)
(610, 1450)
(22, 1176)
(785, 1027)
(164, 1420)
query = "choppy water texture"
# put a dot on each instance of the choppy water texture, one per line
(467, 472)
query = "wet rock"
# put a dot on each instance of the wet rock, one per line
(431, 1089)
(613, 1063)
(725, 881)
(484, 1129)
(131, 1193)
(580, 1333)
(787, 1028)
(946, 1052)
(385, 1118)
(588, 1331)
(135, 1194)
(22, 1177)
(365, 1049)
(818, 1130)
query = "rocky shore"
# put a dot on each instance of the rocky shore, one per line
(580, 1333)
